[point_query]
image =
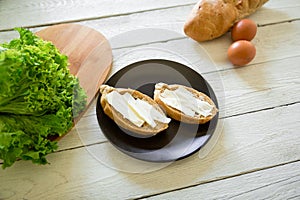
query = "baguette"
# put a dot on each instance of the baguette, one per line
(145, 130)
(210, 19)
(179, 115)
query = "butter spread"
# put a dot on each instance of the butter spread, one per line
(135, 110)
(185, 101)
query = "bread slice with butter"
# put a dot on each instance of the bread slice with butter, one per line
(185, 103)
(133, 111)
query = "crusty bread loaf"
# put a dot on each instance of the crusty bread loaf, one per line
(210, 19)
(177, 114)
(146, 130)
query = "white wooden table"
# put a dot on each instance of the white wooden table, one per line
(257, 155)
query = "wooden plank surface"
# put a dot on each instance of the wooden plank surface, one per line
(272, 12)
(266, 48)
(45, 12)
(259, 137)
(280, 182)
(245, 92)
(267, 143)
(50, 12)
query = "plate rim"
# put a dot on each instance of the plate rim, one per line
(215, 119)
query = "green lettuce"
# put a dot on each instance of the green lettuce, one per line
(38, 98)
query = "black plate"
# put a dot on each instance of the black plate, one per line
(179, 140)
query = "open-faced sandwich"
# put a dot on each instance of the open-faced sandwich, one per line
(185, 103)
(133, 111)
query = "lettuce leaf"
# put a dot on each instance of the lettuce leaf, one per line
(38, 98)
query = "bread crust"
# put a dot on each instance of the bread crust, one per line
(210, 19)
(180, 116)
(146, 130)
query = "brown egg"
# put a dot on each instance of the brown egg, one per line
(241, 52)
(244, 29)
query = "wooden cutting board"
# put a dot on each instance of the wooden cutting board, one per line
(89, 52)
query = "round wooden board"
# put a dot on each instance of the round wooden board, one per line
(89, 53)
